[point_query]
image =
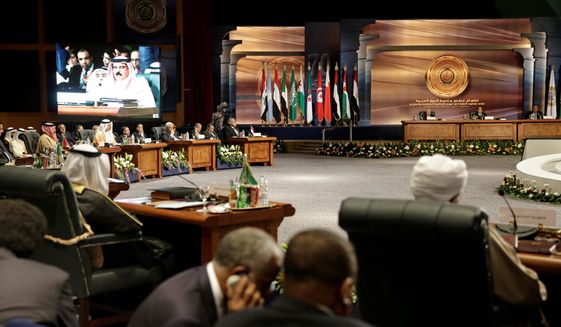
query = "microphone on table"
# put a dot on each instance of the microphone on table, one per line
(198, 189)
(514, 224)
(524, 231)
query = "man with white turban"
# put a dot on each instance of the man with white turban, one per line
(104, 133)
(440, 178)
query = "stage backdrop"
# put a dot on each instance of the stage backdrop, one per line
(402, 54)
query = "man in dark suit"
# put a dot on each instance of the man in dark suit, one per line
(320, 268)
(535, 113)
(30, 289)
(231, 129)
(210, 133)
(200, 296)
(170, 133)
(139, 135)
(6, 156)
(63, 137)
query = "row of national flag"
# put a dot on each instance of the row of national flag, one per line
(284, 102)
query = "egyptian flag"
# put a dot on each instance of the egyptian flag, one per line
(337, 112)
(319, 97)
(327, 97)
(309, 104)
(354, 100)
(276, 97)
(264, 107)
(345, 98)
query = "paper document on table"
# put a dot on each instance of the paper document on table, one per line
(177, 204)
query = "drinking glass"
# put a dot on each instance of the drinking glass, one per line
(205, 193)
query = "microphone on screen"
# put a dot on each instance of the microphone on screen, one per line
(514, 223)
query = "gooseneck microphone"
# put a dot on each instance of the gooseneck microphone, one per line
(514, 224)
(523, 231)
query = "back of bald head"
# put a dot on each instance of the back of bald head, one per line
(319, 256)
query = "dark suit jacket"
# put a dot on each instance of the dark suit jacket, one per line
(69, 138)
(166, 137)
(139, 137)
(287, 312)
(229, 131)
(211, 135)
(35, 291)
(182, 300)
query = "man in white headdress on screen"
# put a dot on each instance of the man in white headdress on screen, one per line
(122, 83)
(104, 134)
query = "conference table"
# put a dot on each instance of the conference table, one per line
(466, 130)
(200, 153)
(147, 157)
(195, 235)
(259, 149)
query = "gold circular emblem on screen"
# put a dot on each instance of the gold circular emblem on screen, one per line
(145, 16)
(447, 76)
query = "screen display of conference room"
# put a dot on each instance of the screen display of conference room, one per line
(88, 102)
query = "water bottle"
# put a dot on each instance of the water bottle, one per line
(52, 159)
(263, 192)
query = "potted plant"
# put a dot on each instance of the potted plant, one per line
(174, 163)
(124, 169)
(229, 156)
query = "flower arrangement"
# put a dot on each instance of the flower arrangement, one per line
(527, 189)
(174, 160)
(416, 149)
(123, 167)
(230, 154)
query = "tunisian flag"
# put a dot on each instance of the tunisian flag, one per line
(319, 97)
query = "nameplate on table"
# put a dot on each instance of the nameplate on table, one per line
(529, 216)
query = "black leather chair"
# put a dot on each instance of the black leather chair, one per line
(30, 139)
(420, 263)
(85, 134)
(52, 193)
(157, 132)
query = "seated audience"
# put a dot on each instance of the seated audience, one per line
(29, 289)
(64, 137)
(478, 115)
(200, 296)
(320, 269)
(170, 133)
(440, 178)
(535, 113)
(209, 132)
(48, 140)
